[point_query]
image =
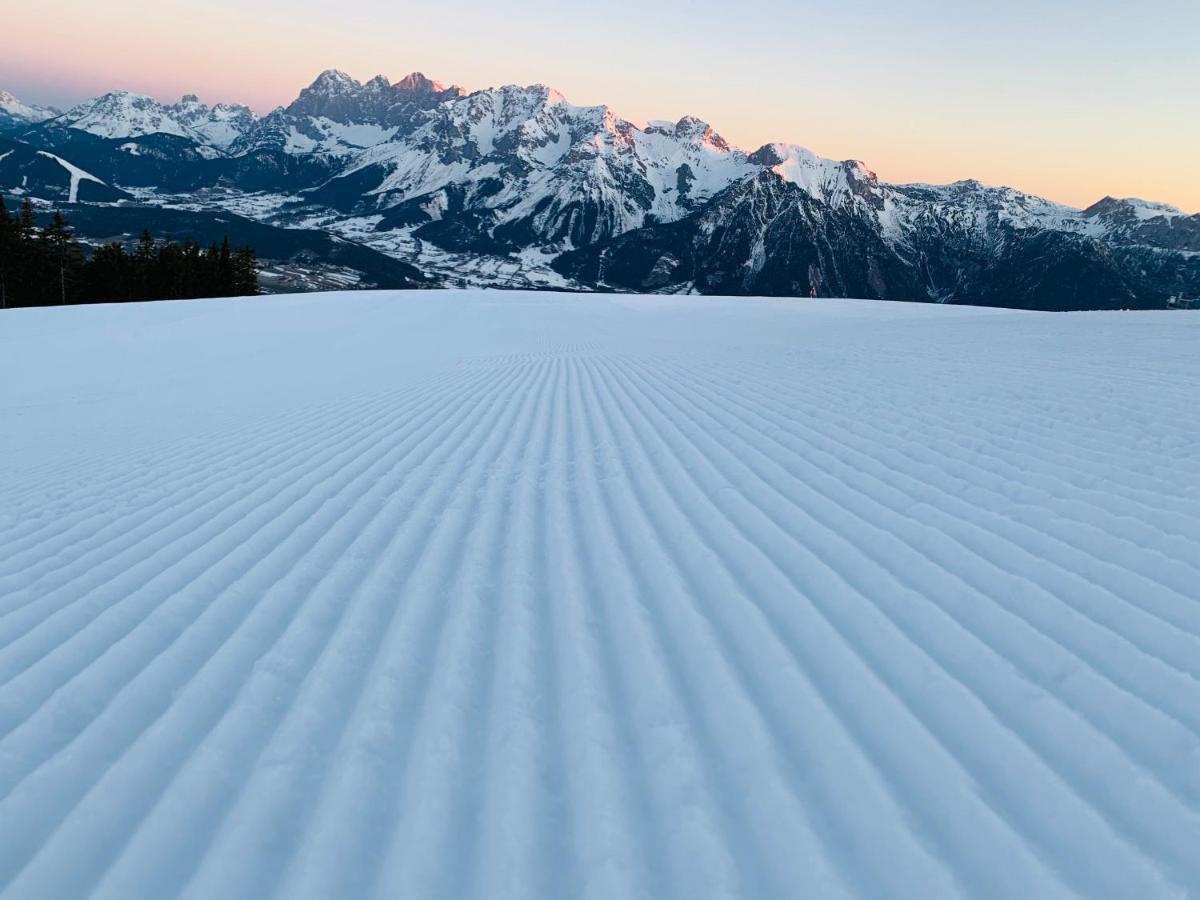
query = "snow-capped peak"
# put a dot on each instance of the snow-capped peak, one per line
(332, 78)
(830, 180)
(336, 96)
(691, 128)
(218, 126)
(13, 108)
(122, 114)
(417, 83)
(1131, 208)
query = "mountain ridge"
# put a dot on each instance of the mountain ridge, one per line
(416, 83)
(520, 173)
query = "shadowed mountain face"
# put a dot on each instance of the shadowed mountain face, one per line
(501, 182)
(768, 237)
(47, 175)
(337, 96)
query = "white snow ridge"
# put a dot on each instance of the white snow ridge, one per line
(468, 594)
(76, 175)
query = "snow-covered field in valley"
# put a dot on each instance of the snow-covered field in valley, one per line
(465, 594)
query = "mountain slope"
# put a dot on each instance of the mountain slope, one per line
(770, 237)
(121, 114)
(217, 126)
(520, 166)
(336, 115)
(508, 595)
(39, 173)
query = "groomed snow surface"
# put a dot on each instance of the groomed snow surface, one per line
(529, 595)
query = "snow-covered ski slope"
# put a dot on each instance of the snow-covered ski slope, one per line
(464, 594)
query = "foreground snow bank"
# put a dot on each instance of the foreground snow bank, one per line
(511, 595)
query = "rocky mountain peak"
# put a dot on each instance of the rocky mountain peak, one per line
(1130, 208)
(12, 108)
(417, 83)
(694, 129)
(121, 114)
(333, 95)
(333, 78)
(336, 96)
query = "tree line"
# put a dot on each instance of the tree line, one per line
(48, 266)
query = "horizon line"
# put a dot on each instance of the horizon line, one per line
(641, 124)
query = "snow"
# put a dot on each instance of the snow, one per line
(121, 114)
(336, 137)
(569, 151)
(712, 169)
(14, 108)
(1145, 210)
(455, 594)
(217, 127)
(358, 135)
(554, 158)
(77, 175)
(822, 178)
(566, 174)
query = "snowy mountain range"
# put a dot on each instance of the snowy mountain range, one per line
(517, 186)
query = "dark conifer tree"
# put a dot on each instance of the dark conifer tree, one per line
(47, 266)
(245, 272)
(108, 275)
(144, 257)
(62, 258)
(9, 226)
(226, 274)
(27, 223)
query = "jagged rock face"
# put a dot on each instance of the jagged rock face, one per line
(520, 166)
(209, 131)
(840, 184)
(764, 236)
(337, 116)
(1138, 222)
(218, 126)
(335, 95)
(1054, 270)
(121, 114)
(338, 97)
(767, 236)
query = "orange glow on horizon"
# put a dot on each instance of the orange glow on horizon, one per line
(912, 125)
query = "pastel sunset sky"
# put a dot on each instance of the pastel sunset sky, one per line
(1069, 99)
